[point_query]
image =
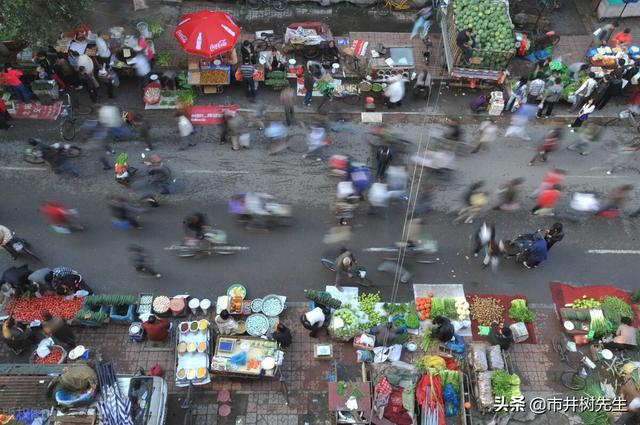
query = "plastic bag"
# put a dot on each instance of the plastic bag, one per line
(479, 357)
(485, 395)
(496, 362)
(364, 356)
(239, 359)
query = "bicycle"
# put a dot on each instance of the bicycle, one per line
(625, 115)
(267, 41)
(359, 274)
(386, 6)
(68, 124)
(576, 378)
(34, 156)
(278, 5)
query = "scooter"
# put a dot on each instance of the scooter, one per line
(213, 242)
(260, 210)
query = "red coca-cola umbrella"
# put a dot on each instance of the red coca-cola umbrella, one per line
(207, 33)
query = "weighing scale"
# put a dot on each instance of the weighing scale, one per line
(226, 345)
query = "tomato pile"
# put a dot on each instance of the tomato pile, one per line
(29, 309)
(54, 357)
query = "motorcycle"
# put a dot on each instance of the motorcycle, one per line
(71, 223)
(67, 150)
(213, 242)
(519, 247)
(260, 210)
(22, 248)
(359, 273)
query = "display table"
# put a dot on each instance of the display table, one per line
(259, 352)
(613, 8)
(190, 364)
(209, 76)
(442, 291)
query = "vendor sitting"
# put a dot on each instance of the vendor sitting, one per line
(500, 335)
(17, 336)
(330, 54)
(157, 330)
(443, 329)
(313, 321)
(275, 60)
(282, 336)
(625, 338)
(16, 279)
(226, 324)
(385, 334)
(39, 285)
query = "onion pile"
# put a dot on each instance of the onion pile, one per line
(161, 304)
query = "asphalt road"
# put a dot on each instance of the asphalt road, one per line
(286, 261)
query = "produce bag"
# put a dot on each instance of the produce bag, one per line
(364, 356)
(496, 362)
(478, 357)
(43, 348)
(485, 396)
(239, 359)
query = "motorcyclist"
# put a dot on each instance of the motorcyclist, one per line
(537, 253)
(195, 222)
(46, 152)
(59, 216)
(345, 264)
(553, 235)
(6, 235)
(122, 212)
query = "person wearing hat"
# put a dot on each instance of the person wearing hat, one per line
(157, 330)
(344, 265)
(58, 329)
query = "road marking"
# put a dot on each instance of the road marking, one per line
(599, 177)
(216, 172)
(23, 168)
(614, 251)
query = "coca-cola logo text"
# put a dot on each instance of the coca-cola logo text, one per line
(217, 46)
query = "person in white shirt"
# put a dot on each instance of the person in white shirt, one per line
(584, 92)
(185, 129)
(141, 63)
(87, 62)
(104, 53)
(395, 92)
(586, 110)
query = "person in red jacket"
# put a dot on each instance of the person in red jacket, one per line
(622, 39)
(547, 200)
(5, 117)
(11, 77)
(157, 330)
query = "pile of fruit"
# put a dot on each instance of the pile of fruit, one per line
(423, 307)
(29, 309)
(585, 302)
(492, 29)
(214, 77)
(54, 357)
(344, 324)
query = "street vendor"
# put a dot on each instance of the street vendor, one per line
(282, 336)
(157, 330)
(501, 335)
(17, 278)
(625, 338)
(58, 328)
(385, 334)
(276, 61)
(314, 320)
(330, 54)
(442, 329)
(466, 42)
(629, 393)
(622, 39)
(226, 324)
(17, 336)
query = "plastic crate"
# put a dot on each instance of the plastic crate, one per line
(127, 318)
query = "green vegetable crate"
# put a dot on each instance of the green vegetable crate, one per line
(92, 316)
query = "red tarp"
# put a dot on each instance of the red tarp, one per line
(506, 303)
(563, 293)
(209, 114)
(36, 111)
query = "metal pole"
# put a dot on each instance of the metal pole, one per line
(626, 3)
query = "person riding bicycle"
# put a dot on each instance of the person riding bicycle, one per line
(159, 174)
(553, 235)
(57, 214)
(46, 152)
(195, 222)
(345, 264)
(6, 235)
(537, 253)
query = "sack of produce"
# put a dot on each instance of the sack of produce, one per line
(496, 362)
(478, 357)
(485, 396)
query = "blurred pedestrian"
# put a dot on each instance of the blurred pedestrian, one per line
(547, 201)
(138, 122)
(12, 78)
(5, 117)
(185, 130)
(287, 98)
(551, 95)
(607, 88)
(384, 156)
(520, 121)
(65, 71)
(551, 178)
(601, 35)
(586, 110)
(140, 259)
(584, 92)
(518, 94)
(58, 328)
(508, 195)
(577, 69)
(612, 208)
(111, 126)
(488, 134)
(195, 222)
(548, 145)
(124, 214)
(309, 82)
(102, 44)
(475, 200)
(236, 127)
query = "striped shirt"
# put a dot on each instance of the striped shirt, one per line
(246, 71)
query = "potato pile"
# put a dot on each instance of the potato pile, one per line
(486, 310)
(213, 77)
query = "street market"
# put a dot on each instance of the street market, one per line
(398, 255)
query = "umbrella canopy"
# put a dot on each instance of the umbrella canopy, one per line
(207, 33)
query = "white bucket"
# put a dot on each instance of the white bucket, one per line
(205, 304)
(194, 303)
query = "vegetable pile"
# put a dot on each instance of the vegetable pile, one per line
(412, 320)
(423, 307)
(614, 308)
(462, 308)
(323, 298)
(92, 316)
(585, 302)
(599, 325)
(593, 416)
(505, 385)
(344, 324)
(110, 300)
(367, 304)
(520, 312)
(486, 310)
(54, 356)
(395, 308)
(492, 29)
(29, 309)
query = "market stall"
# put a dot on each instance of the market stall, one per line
(257, 316)
(307, 39)
(193, 351)
(245, 356)
(212, 37)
